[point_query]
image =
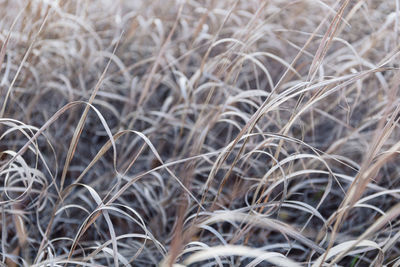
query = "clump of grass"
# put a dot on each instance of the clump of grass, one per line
(199, 133)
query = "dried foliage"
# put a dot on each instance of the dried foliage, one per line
(199, 133)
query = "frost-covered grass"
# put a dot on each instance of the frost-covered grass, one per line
(199, 133)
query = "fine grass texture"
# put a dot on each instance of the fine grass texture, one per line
(199, 133)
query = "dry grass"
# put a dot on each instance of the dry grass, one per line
(199, 133)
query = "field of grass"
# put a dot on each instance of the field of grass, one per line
(199, 133)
